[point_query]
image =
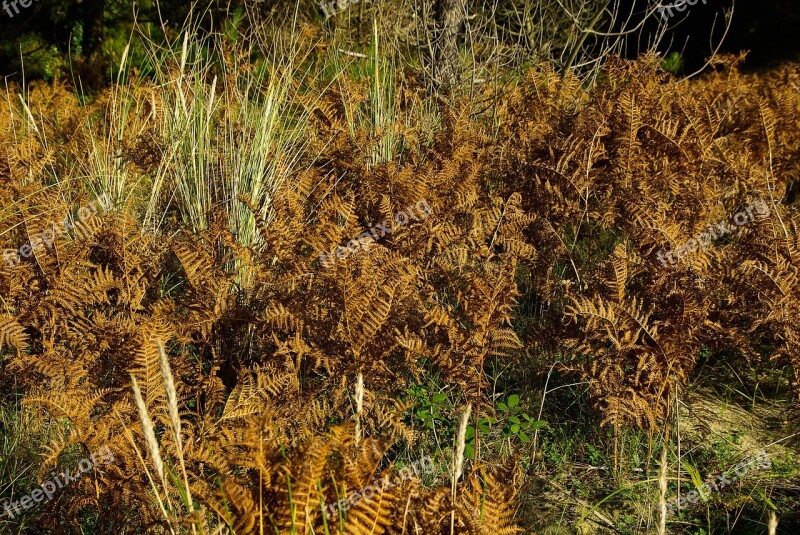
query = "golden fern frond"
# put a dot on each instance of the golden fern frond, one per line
(378, 508)
(12, 333)
(245, 399)
(251, 393)
(619, 263)
(145, 365)
(277, 315)
(368, 302)
(86, 229)
(782, 277)
(305, 483)
(486, 504)
(504, 340)
(196, 265)
(631, 122)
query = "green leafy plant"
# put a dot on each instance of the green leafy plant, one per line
(483, 427)
(429, 407)
(514, 422)
(596, 455)
(519, 423)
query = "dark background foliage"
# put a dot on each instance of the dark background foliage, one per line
(76, 40)
(765, 28)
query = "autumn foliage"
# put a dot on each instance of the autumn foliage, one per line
(549, 204)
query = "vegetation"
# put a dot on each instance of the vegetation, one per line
(524, 334)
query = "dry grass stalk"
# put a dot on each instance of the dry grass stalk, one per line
(773, 523)
(147, 428)
(458, 460)
(458, 464)
(662, 493)
(359, 406)
(172, 405)
(161, 507)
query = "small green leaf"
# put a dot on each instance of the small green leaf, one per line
(438, 398)
(538, 424)
(469, 451)
(523, 437)
(513, 401)
(515, 428)
(514, 420)
(502, 406)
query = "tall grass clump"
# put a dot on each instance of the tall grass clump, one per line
(232, 132)
(105, 170)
